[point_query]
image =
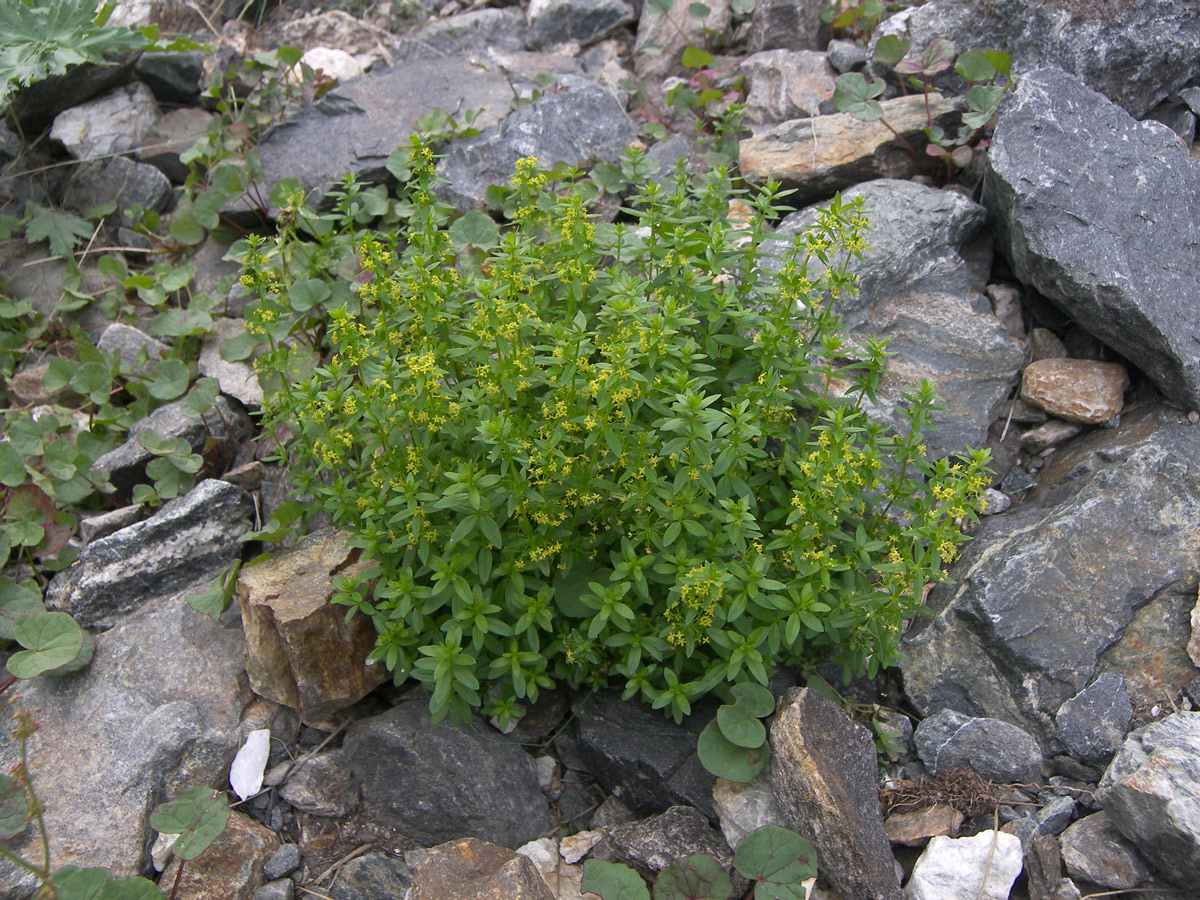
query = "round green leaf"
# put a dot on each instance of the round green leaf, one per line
(14, 808)
(12, 467)
(50, 640)
(739, 727)
(475, 229)
(170, 379)
(974, 66)
(304, 295)
(695, 58)
(754, 698)
(777, 860)
(695, 877)
(613, 881)
(92, 380)
(890, 49)
(197, 815)
(184, 227)
(59, 373)
(726, 759)
(132, 888)
(73, 883)
(81, 661)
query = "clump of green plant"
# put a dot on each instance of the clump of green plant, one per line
(986, 73)
(734, 744)
(858, 19)
(591, 454)
(774, 860)
(197, 816)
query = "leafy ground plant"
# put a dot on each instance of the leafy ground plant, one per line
(777, 863)
(627, 454)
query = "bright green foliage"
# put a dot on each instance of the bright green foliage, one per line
(777, 861)
(613, 881)
(40, 38)
(734, 744)
(198, 816)
(598, 454)
(50, 639)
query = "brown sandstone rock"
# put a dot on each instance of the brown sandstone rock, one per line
(1077, 390)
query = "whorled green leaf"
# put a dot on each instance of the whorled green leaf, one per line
(14, 808)
(754, 698)
(51, 640)
(727, 760)
(613, 881)
(740, 727)
(777, 860)
(695, 877)
(198, 816)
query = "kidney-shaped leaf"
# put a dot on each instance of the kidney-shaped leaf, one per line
(740, 727)
(695, 877)
(197, 815)
(754, 698)
(613, 881)
(134, 888)
(777, 860)
(50, 640)
(729, 761)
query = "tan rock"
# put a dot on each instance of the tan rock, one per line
(1049, 434)
(471, 869)
(230, 869)
(300, 651)
(824, 154)
(1077, 390)
(786, 84)
(913, 829)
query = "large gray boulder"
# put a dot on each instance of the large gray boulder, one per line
(442, 782)
(1093, 574)
(1135, 52)
(1095, 211)
(921, 285)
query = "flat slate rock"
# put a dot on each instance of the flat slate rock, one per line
(1096, 211)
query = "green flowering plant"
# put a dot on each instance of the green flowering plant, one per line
(588, 454)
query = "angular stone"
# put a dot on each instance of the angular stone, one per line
(283, 889)
(236, 379)
(300, 650)
(28, 388)
(175, 134)
(187, 542)
(1045, 344)
(283, 862)
(1048, 434)
(433, 782)
(172, 77)
(1094, 573)
(818, 156)
(129, 342)
(982, 867)
(745, 807)
(329, 62)
(231, 868)
(921, 286)
(652, 844)
(641, 756)
(122, 181)
(35, 107)
(673, 32)
(823, 772)
(1076, 390)
(579, 126)
(1072, 183)
(584, 22)
(366, 42)
(786, 84)
(998, 751)
(464, 34)
(786, 24)
(156, 713)
(225, 421)
(1043, 867)
(1093, 849)
(846, 56)
(1151, 792)
(370, 877)
(118, 122)
(565, 881)
(323, 785)
(1135, 52)
(471, 869)
(914, 829)
(1092, 725)
(357, 126)
(94, 527)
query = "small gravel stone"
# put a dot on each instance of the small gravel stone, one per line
(283, 862)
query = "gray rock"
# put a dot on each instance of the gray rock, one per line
(225, 421)
(921, 285)
(175, 134)
(322, 786)
(283, 862)
(1178, 116)
(236, 379)
(641, 756)
(118, 122)
(156, 713)
(745, 807)
(370, 877)
(465, 33)
(1151, 791)
(357, 126)
(982, 867)
(652, 844)
(1094, 573)
(786, 84)
(172, 77)
(823, 769)
(104, 524)
(129, 342)
(470, 869)
(435, 783)
(284, 889)
(1095, 851)
(122, 181)
(786, 24)
(185, 543)
(846, 56)
(1093, 724)
(671, 33)
(1072, 184)
(996, 750)
(554, 22)
(583, 125)
(35, 107)
(1135, 52)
